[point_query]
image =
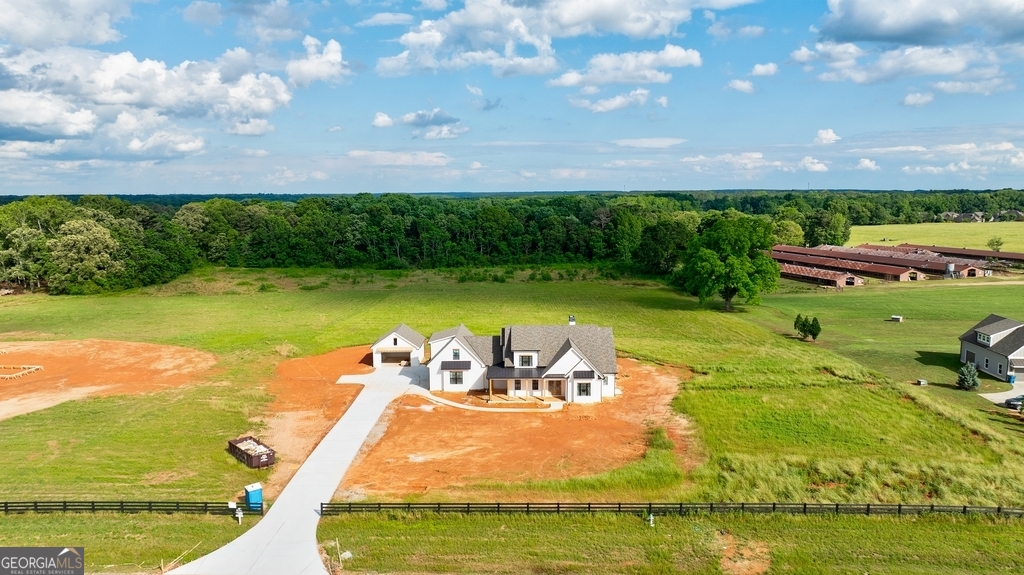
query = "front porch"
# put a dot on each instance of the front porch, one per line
(541, 390)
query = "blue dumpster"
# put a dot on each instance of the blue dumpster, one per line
(254, 497)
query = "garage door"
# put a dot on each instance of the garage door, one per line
(394, 356)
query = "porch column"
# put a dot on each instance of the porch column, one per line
(490, 390)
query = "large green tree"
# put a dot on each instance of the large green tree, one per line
(728, 259)
(662, 245)
(81, 257)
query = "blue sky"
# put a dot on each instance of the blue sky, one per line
(342, 96)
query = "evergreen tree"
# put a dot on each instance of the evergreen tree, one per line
(814, 329)
(798, 324)
(967, 378)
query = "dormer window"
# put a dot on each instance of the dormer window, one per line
(455, 354)
(394, 341)
(526, 361)
(985, 339)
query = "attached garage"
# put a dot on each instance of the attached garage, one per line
(401, 345)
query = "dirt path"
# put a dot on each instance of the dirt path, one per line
(307, 403)
(426, 446)
(77, 369)
(743, 558)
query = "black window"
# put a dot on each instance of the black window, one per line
(986, 363)
(519, 385)
(536, 385)
(455, 354)
(394, 341)
(526, 361)
(1000, 369)
(583, 388)
(455, 378)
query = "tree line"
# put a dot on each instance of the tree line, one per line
(99, 243)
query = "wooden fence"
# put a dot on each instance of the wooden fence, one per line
(646, 509)
(218, 508)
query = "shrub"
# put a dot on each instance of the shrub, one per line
(967, 378)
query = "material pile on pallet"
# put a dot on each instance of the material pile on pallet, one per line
(19, 370)
(251, 452)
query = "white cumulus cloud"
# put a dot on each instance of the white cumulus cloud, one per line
(827, 136)
(44, 23)
(382, 120)
(630, 68)
(251, 127)
(474, 90)
(920, 22)
(769, 69)
(637, 97)
(318, 64)
(917, 99)
(387, 19)
(491, 32)
(867, 164)
(812, 165)
(745, 86)
(205, 13)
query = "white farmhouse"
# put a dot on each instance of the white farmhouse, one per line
(401, 344)
(573, 363)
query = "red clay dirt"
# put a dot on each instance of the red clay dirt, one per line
(307, 403)
(76, 369)
(428, 446)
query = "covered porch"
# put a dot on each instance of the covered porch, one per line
(518, 390)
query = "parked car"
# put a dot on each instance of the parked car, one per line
(1014, 402)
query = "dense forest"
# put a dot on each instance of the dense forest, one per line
(99, 243)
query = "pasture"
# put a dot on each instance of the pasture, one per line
(949, 234)
(773, 418)
(429, 543)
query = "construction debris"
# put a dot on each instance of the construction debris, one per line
(20, 370)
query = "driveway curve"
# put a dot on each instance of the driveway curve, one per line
(284, 541)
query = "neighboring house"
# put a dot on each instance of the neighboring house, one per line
(996, 347)
(974, 217)
(573, 363)
(402, 343)
(1009, 216)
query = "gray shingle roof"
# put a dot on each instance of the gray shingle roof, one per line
(596, 343)
(407, 333)
(486, 347)
(994, 324)
(998, 327)
(459, 330)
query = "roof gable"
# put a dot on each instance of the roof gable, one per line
(405, 332)
(457, 331)
(596, 344)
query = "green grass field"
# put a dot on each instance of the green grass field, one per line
(963, 235)
(427, 543)
(775, 418)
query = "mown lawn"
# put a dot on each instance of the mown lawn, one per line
(429, 543)
(124, 543)
(963, 235)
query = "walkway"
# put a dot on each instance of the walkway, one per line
(552, 407)
(284, 541)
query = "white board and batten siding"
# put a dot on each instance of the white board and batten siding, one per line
(443, 350)
(395, 343)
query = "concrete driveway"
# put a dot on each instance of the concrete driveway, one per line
(1018, 389)
(284, 541)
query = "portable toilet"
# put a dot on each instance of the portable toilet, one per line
(1011, 379)
(254, 496)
